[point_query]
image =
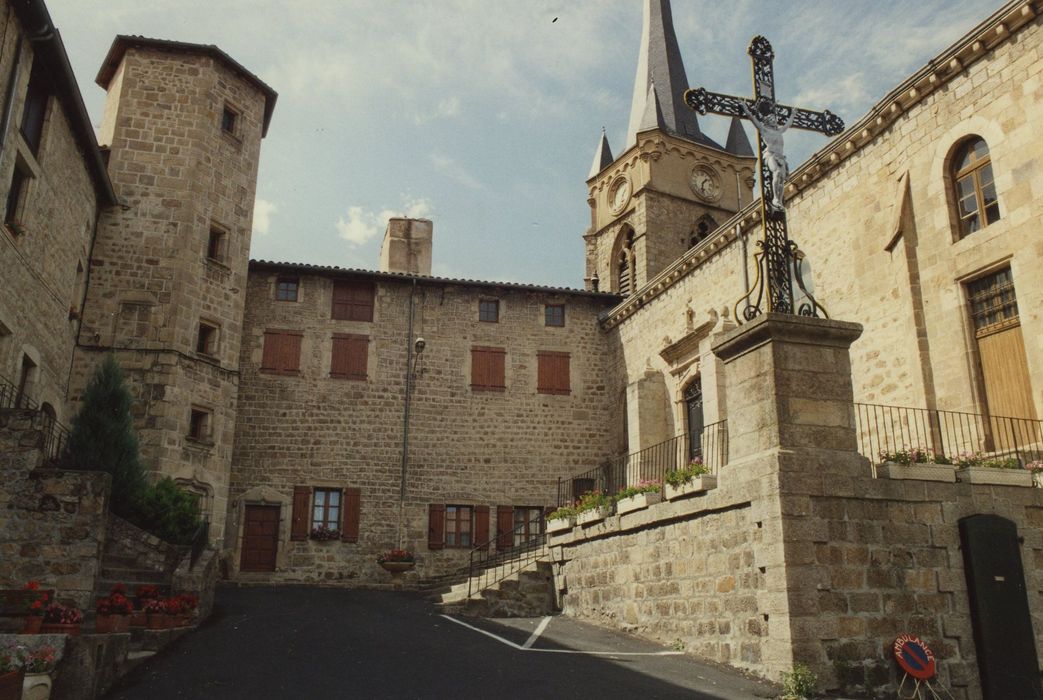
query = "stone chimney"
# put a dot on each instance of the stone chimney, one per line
(407, 247)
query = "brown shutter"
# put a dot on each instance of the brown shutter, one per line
(269, 359)
(481, 526)
(350, 356)
(282, 352)
(292, 364)
(552, 373)
(352, 300)
(504, 527)
(436, 526)
(478, 373)
(496, 369)
(349, 531)
(300, 520)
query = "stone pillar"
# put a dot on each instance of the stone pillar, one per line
(791, 437)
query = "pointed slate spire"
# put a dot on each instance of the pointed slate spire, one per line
(660, 57)
(653, 116)
(738, 143)
(602, 157)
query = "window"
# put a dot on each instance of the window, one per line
(993, 300)
(552, 372)
(216, 247)
(976, 203)
(352, 300)
(554, 315)
(528, 524)
(286, 288)
(199, 424)
(229, 120)
(703, 228)
(489, 310)
(349, 356)
(325, 510)
(458, 526)
(35, 107)
(135, 321)
(487, 368)
(282, 352)
(625, 265)
(16, 196)
(206, 340)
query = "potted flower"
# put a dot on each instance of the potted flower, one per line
(976, 468)
(322, 533)
(10, 673)
(1035, 468)
(143, 593)
(113, 612)
(397, 561)
(562, 519)
(594, 506)
(37, 664)
(915, 463)
(182, 608)
(691, 478)
(156, 611)
(641, 495)
(36, 601)
(62, 619)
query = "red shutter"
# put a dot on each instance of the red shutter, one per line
(350, 356)
(481, 526)
(504, 527)
(349, 531)
(436, 526)
(300, 519)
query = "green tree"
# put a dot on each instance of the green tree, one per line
(103, 437)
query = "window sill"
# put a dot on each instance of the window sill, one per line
(350, 377)
(232, 139)
(554, 392)
(208, 358)
(199, 443)
(219, 264)
(15, 228)
(280, 372)
(497, 389)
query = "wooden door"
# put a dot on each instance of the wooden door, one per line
(1005, 370)
(260, 538)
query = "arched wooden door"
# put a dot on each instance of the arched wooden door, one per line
(693, 401)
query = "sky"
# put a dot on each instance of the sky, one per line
(484, 115)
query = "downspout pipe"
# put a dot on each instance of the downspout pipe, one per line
(405, 416)
(12, 85)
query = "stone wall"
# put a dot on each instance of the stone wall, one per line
(467, 447)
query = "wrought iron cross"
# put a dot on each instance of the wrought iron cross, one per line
(778, 254)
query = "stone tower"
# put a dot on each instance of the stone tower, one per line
(183, 124)
(672, 185)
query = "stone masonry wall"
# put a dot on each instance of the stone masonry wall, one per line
(467, 447)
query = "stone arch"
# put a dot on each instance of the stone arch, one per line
(623, 262)
(261, 495)
(940, 182)
(701, 230)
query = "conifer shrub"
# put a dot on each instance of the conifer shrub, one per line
(168, 512)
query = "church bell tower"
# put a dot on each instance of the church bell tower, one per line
(672, 185)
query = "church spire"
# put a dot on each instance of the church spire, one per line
(738, 143)
(653, 116)
(602, 157)
(660, 59)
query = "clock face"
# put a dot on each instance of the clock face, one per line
(705, 184)
(619, 194)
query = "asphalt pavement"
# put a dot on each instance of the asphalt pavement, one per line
(301, 642)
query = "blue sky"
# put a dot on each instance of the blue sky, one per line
(483, 115)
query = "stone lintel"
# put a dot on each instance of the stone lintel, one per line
(771, 327)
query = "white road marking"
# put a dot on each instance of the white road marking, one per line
(560, 651)
(536, 635)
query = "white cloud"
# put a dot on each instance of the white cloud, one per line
(359, 225)
(454, 171)
(449, 107)
(263, 210)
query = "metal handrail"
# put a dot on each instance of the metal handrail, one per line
(486, 569)
(649, 464)
(55, 435)
(11, 397)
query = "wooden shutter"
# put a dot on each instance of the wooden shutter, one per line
(352, 507)
(350, 356)
(301, 517)
(481, 525)
(552, 373)
(282, 352)
(487, 368)
(504, 527)
(436, 526)
(352, 300)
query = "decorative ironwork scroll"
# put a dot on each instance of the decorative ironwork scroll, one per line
(777, 261)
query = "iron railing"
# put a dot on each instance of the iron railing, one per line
(55, 438)
(489, 564)
(55, 435)
(199, 541)
(11, 397)
(889, 429)
(649, 464)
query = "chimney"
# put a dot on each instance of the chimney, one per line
(407, 247)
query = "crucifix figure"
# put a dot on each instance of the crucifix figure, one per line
(775, 261)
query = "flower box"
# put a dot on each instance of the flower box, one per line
(70, 628)
(11, 685)
(920, 471)
(37, 686)
(594, 515)
(560, 524)
(112, 624)
(998, 477)
(397, 567)
(638, 501)
(706, 482)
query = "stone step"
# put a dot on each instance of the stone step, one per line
(120, 560)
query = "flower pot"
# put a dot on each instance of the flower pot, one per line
(638, 501)
(111, 624)
(36, 686)
(32, 625)
(182, 620)
(158, 621)
(595, 515)
(397, 567)
(997, 477)
(73, 630)
(698, 484)
(138, 618)
(917, 470)
(11, 685)
(560, 524)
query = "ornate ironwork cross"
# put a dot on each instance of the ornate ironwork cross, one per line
(778, 255)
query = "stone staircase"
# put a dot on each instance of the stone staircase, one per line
(518, 586)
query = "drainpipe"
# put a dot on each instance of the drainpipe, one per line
(16, 69)
(405, 417)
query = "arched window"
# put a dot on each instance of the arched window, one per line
(693, 403)
(702, 229)
(625, 265)
(976, 203)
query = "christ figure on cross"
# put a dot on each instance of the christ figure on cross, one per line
(770, 131)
